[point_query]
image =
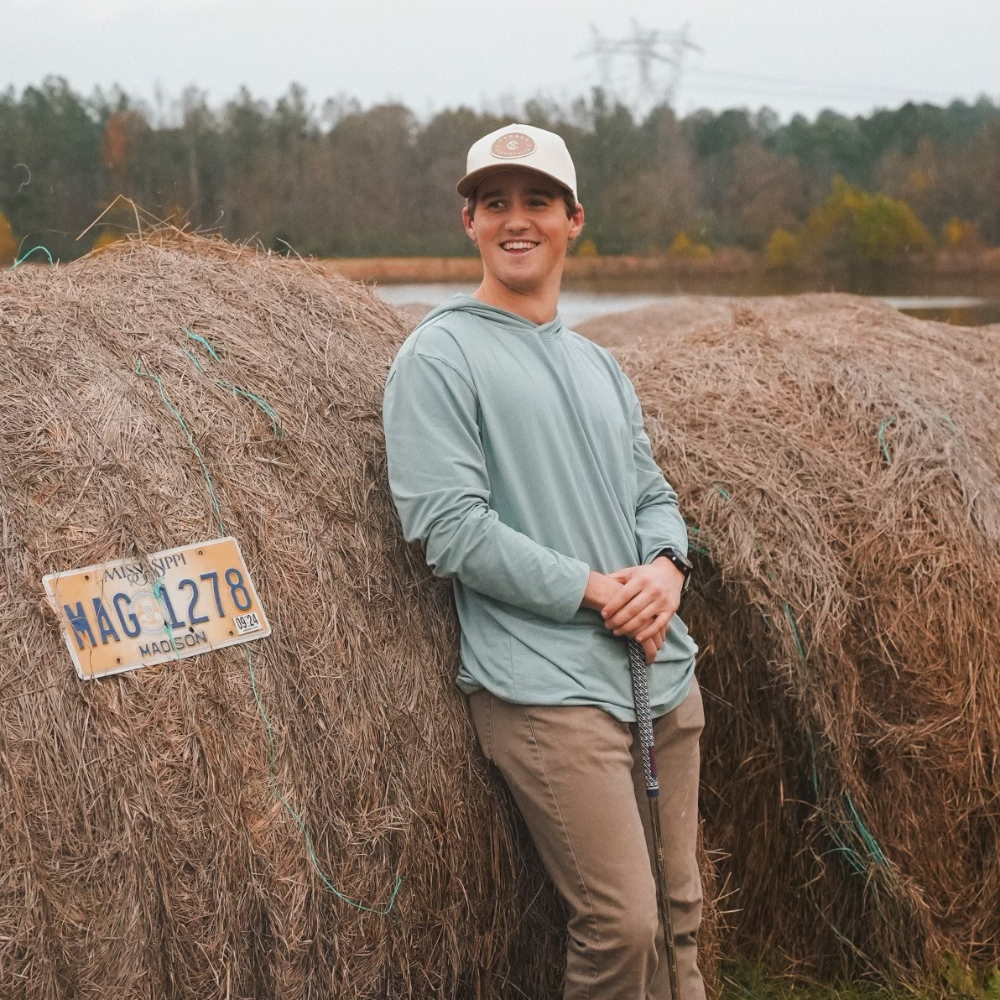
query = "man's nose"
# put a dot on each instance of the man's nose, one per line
(517, 220)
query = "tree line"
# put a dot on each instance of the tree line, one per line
(341, 180)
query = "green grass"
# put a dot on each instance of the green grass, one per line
(755, 981)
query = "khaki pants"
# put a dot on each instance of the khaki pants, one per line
(576, 775)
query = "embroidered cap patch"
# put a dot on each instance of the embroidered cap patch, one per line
(512, 145)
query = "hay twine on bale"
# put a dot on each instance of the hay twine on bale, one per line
(839, 464)
(22, 259)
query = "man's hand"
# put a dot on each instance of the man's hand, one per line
(605, 590)
(645, 602)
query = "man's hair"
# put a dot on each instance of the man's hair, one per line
(571, 202)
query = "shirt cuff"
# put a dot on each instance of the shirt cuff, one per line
(574, 600)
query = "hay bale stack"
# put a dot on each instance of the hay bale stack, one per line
(145, 851)
(838, 466)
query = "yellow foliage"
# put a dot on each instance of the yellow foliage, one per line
(588, 248)
(8, 243)
(782, 248)
(868, 228)
(684, 246)
(961, 235)
(105, 238)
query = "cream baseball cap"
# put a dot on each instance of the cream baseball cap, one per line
(519, 146)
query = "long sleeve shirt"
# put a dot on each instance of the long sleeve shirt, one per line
(517, 456)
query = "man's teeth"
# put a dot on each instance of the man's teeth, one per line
(518, 245)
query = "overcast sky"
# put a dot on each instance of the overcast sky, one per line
(794, 55)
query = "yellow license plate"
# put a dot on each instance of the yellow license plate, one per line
(166, 606)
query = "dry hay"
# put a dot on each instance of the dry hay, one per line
(687, 312)
(838, 465)
(413, 312)
(144, 850)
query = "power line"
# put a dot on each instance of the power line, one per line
(645, 48)
(799, 87)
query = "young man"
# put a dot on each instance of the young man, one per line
(517, 455)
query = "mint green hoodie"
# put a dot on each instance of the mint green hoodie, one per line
(517, 455)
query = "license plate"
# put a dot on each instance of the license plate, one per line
(166, 606)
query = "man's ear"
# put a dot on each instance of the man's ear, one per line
(576, 222)
(470, 224)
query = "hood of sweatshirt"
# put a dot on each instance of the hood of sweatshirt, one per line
(463, 303)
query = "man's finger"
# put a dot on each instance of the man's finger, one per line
(633, 616)
(639, 621)
(650, 651)
(624, 595)
(649, 601)
(653, 630)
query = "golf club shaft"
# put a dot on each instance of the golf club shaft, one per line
(644, 723)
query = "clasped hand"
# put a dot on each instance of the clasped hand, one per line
(638, 601)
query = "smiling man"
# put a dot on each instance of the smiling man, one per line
(517, 456)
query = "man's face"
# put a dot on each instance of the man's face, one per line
(521, 228)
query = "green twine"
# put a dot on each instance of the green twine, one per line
(887, 422)
(201, 340)
(874, 850)
(21, 260)
(272, 414)
(140, 370)
(272, 749)
(298, 819)
(870, 842)
(872, 845)
(795, 630)
(193, 360)
(947, 420)
(700, 549)
(269, 411)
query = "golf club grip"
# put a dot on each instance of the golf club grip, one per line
(643, 716)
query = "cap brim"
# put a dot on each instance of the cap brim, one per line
(468, 183)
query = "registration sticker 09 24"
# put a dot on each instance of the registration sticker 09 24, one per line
(247, 623)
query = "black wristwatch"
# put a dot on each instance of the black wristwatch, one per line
(680, 561)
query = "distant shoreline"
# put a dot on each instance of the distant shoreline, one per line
(726, 267)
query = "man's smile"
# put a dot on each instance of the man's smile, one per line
(518, 246)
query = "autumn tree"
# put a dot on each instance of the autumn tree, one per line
(8, 243)
(853, 226)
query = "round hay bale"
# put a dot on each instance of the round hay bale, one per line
(838, 466)
(145, 849)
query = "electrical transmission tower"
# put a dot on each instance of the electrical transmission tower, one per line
(650, 48)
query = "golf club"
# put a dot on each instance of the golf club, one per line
(644, 722)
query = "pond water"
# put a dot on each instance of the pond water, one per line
(577, 305)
